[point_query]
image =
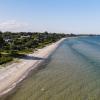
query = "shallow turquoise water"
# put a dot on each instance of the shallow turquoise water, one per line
(73, 73)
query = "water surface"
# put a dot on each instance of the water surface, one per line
(73, 73)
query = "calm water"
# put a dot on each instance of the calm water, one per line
(73, 73)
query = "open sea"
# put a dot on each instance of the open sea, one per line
(72, 73)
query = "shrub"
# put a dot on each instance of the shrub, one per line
(5, 59)
(13, 53)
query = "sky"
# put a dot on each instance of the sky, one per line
(65, 16)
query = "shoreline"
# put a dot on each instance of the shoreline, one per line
(11, 76)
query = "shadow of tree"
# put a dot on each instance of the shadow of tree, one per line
(28, 57)
(33, 58)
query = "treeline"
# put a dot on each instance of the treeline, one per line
(26, 40)
(14, 44)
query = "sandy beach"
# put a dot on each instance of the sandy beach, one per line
(16, 72)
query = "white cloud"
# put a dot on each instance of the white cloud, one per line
(14, 26)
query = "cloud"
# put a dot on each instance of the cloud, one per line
(14, 26)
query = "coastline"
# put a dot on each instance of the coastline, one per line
(16, 72)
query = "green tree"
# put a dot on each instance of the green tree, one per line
(1, 41)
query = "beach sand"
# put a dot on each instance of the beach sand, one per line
(16, 72)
